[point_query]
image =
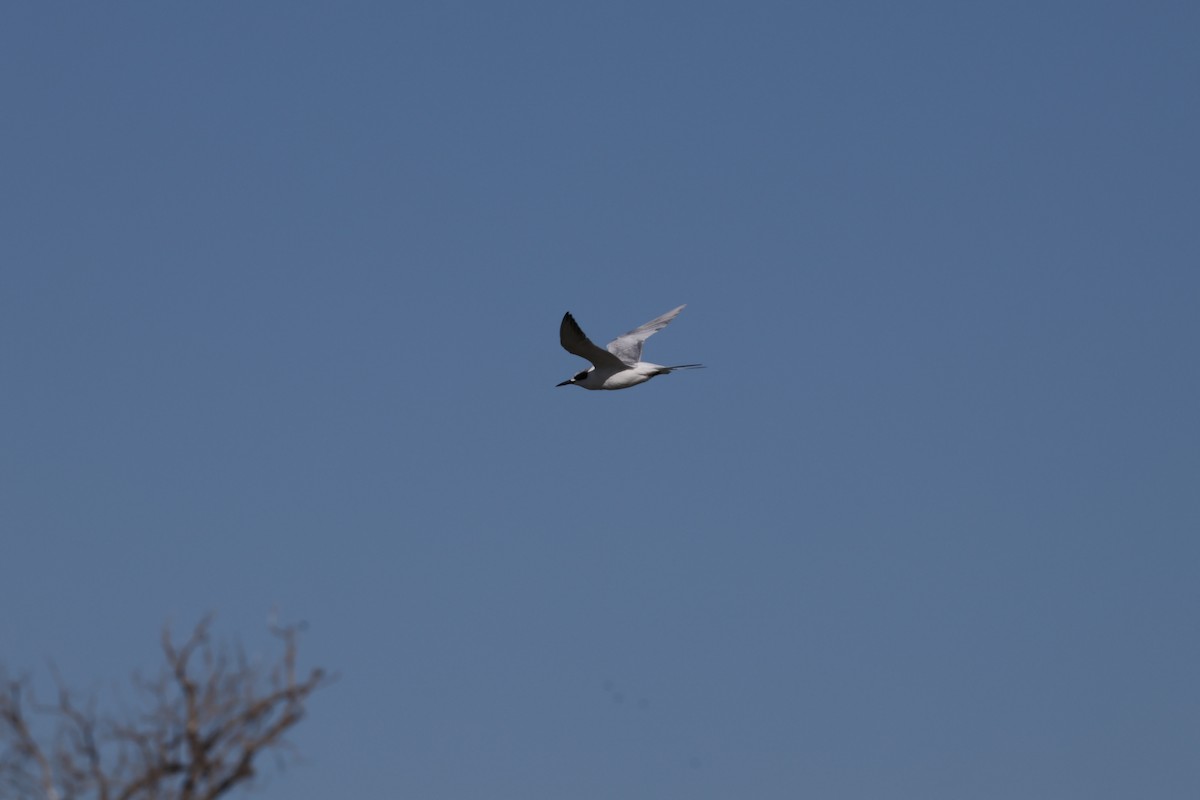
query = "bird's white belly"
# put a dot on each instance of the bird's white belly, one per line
(625, 379)
(638, 373)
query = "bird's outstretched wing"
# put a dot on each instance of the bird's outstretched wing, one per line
(574, 341)
(628, 346)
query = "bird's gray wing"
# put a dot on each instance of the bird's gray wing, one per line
(574, 341)
(628, 346)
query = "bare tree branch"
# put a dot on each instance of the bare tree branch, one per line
(203, 724)
(24, 747)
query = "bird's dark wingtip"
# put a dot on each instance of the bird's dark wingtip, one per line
(568, 321)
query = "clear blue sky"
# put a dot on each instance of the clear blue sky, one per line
(280, 286)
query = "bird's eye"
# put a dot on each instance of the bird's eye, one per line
(580, 376)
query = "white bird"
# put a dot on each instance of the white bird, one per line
(620, 365)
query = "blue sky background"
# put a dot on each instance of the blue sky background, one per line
(280, 286)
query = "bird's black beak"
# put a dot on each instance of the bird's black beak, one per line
(564, 383)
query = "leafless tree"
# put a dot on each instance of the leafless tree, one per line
(198, 732)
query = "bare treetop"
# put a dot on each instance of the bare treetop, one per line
(207, 720)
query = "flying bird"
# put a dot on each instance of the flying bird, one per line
(620, 365)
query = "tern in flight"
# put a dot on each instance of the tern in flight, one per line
(620, 365)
